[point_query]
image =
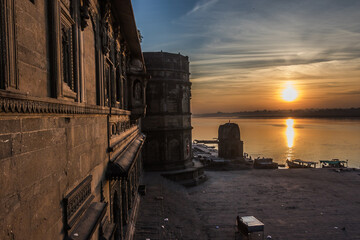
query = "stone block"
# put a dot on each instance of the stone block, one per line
(32, 141)
(5, 146)
(79, 135)
(32, 124)
(17, 223)
(84, 163)
(11, 203)
(9, 126)
(16, 143)
(47, 201)
(31, 19)
(51, 122)
(73, 167)
(36, 165)
(8, 179)
(33, 80)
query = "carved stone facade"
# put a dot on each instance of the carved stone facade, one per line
(72, 91)
(168, 120)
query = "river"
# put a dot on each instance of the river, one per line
(291, 138)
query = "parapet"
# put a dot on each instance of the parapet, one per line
(164, 65)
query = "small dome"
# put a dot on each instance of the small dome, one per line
(229, 131)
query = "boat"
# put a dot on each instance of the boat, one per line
(265, 163)
(298, 163)
(334, 163)
(207, 155)
(248, 160)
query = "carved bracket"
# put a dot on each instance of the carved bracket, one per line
(84, 14)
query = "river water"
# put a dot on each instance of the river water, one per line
(291, 138)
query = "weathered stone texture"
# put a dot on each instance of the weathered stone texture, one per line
(230, 144)
(55, 116)
(42, 162)
(168, 120)
(89, 65)
(32, 47)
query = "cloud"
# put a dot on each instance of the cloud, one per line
(201, 5)
(242, 51)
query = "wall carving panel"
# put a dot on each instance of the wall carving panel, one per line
(76, 202)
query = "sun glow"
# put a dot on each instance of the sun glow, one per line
(290, 132)
(289, 94)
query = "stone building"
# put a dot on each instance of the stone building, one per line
(167, 124)
(72, 91)
(230, 144)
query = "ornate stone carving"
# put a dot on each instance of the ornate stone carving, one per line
(17, 105)
(105, 27)
(124, 52)
(84, 14)
(77, 197)
(117, 128)
(117, 46)
(67, 3)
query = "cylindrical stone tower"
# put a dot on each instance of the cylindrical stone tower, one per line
(168, 119)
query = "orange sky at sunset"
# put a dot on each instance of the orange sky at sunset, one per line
(319, 85)
(243, 52)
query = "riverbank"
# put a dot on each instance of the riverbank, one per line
(310, 204)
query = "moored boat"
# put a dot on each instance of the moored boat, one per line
(298, 163)
(248, 160)
(265, 163)
(334, 163)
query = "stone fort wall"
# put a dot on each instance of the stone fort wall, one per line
(72, 91)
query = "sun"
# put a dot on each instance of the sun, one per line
(289, 94)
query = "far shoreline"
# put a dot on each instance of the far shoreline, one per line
(348, 113)
(279, 117)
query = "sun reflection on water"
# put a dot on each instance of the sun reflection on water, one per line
(290, 135)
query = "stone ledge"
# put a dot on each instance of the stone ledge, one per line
(89, 222)
(11, 102)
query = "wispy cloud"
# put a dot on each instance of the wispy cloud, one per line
(201, 5)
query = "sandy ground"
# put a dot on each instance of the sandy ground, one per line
(311, 204)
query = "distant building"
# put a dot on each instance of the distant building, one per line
(72, 91)
(230, 144)
(168, 121)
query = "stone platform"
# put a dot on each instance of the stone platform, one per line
(190, 176)
(311, 204)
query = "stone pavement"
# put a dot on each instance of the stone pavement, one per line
(309, 204)
(166, 212)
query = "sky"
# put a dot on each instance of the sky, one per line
(244, 53)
